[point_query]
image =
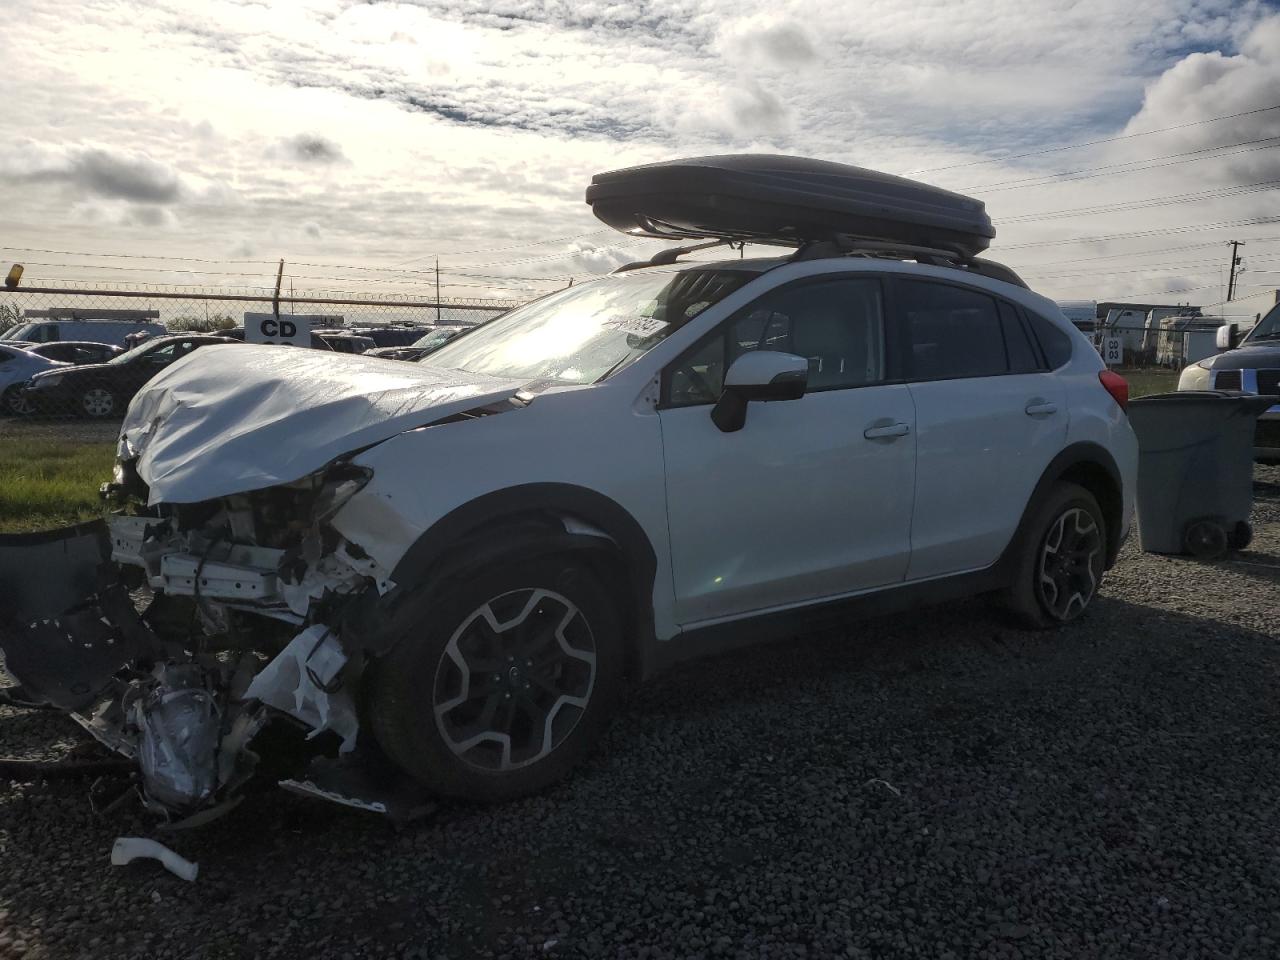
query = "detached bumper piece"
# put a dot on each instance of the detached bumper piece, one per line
(67, 624)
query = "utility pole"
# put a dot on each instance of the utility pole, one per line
(437, 291)
(1235, 262)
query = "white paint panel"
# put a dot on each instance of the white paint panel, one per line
(797, 505)
(979, 456)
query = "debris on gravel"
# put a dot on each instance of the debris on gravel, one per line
(930, 785)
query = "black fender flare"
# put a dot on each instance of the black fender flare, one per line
(521, 522)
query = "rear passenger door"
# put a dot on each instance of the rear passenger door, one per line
(990, 416)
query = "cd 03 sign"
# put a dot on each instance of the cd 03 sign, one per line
(1113, 351)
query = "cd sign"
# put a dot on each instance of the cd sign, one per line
(289, 329)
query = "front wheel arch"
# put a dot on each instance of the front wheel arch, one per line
(516, 523)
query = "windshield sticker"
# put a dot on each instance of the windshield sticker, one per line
(637, 326)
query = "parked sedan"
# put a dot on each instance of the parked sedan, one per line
(79, 352)
(16, 367)
(104, 389)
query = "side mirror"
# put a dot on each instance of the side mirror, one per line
(1227, 337)
(759, 375)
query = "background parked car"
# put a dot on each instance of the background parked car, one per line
(77, 352)
(105, 389)
(114, 332)
(402, 335)
(343, 341)
(424, 345)
(16, 367)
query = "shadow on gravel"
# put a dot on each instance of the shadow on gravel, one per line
(910, 786)
(1258, 566)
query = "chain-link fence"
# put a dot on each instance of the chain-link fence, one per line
(72, 358)
(1169, 344)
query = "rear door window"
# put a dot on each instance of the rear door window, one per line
(955, 332)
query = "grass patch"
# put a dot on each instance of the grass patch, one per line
(1143, 383)
(49, 483)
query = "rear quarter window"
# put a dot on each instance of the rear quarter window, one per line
(1055, 343)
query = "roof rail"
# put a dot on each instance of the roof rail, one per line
(670, 255)
(846, 246)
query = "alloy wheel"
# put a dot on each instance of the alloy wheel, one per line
(514, 679)
(17, 404)
(1067, 574)
(98, 402)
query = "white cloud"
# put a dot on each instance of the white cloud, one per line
(386, 133)
(313, 148)
(768, 41)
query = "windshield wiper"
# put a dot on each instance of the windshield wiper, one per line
(612, 370)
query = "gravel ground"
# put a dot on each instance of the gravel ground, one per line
(933, 785)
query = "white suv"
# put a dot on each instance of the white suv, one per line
(469, 557)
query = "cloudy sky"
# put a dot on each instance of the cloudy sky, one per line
(361, 140)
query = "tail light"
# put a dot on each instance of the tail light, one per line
(1117, 386)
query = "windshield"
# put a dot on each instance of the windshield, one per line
(436, 339)
(19, 332)
(131, 355)
(584, 333)
(1268, 327)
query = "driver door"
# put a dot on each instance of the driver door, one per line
(813, 497)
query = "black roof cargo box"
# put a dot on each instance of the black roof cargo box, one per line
(789, 200)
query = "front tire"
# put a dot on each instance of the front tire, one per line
(14, 404)
(508, 686)
(98, 403)
(1061, 561)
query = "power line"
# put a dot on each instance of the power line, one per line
(1144, 253)
(1093, 143)
(1233, 190)
(231, 273)
(1158, 232)
(516, 246)
(1133, 166)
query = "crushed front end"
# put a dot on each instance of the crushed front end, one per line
(175, 633)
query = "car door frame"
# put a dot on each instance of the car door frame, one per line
(892, 376)
(1044, 368)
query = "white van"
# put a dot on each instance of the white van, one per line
(113, 332)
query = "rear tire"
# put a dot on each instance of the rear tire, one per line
(508, 686)
(1061, 559)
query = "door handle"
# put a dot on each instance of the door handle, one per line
(889, 431)
(1041, 408)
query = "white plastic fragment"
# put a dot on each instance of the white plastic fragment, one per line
(299, 682)
(127, 849)
(883, 783)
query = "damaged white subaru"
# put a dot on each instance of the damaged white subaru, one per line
(451, 569)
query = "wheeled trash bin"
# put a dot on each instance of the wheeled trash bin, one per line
(1195, 470)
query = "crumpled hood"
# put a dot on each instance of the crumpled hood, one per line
(229, 419)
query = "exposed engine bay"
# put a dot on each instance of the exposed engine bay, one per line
(174, 633)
